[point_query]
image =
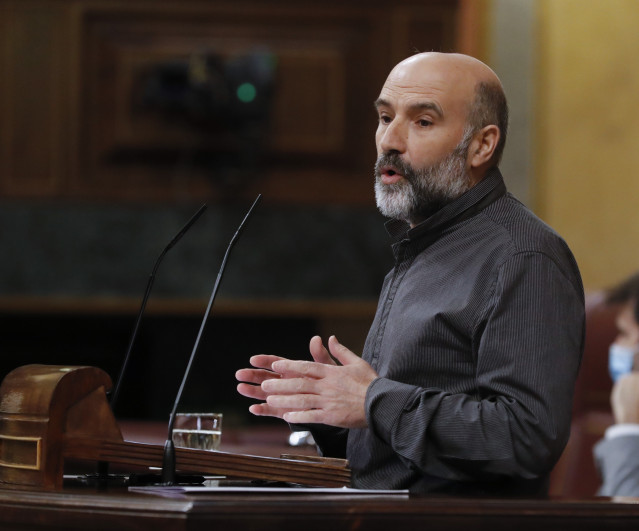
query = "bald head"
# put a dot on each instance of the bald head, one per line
(455, 65)
(468, 84)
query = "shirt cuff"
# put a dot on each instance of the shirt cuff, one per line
(620, 430)
(386, 400)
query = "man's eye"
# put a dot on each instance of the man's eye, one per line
(385, 119)
(424, 123)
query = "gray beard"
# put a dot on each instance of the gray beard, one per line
(423, 191)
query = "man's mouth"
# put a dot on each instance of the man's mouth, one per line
(390, 175)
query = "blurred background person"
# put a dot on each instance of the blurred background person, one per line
(617, 454)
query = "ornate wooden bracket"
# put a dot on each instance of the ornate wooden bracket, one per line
(40, 407)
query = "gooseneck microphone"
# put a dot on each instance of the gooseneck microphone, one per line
(147, 292)
(168, 464)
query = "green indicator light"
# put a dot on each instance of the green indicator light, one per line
(246, 92)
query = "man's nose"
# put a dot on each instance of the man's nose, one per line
(393, 138)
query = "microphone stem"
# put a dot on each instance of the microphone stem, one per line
(169, 451)
(147, 292)
(197, 341)
(149, 285)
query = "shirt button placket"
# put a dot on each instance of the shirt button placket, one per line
(398, 273)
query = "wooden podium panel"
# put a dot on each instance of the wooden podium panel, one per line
(122, 510)
(50, 413)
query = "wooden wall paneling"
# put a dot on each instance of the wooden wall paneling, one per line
(422, 29)
(309, 112)
(71, 69)
(34, 104)
(74, 90)
(6, 18)
(309, 118)
(321, 137)
(471, 27)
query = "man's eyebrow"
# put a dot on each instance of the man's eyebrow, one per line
(418, 106)
(381, 102)
(427, 106)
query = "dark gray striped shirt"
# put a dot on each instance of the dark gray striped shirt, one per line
(477, 341)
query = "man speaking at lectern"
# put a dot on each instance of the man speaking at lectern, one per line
(466, 379)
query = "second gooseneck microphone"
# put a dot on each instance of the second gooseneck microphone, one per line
(147, 292)
(168, 464)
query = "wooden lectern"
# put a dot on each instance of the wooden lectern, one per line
(49, 414)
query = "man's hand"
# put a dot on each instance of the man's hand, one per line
(254, 379)
(303, 392)
(625, 399)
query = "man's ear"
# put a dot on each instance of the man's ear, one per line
(483, 146)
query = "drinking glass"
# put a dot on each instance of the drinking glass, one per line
(202, 431)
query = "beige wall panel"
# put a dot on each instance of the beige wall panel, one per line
(588, 129)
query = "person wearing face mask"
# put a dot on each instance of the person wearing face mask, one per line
(617, 454)
(625, 348)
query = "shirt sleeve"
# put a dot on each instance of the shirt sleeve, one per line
(619, 430)
(331, 441)
(617, 459)
(527, 342)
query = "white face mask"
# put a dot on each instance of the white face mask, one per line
(620, 360)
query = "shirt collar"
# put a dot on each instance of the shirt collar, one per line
(490, 188)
